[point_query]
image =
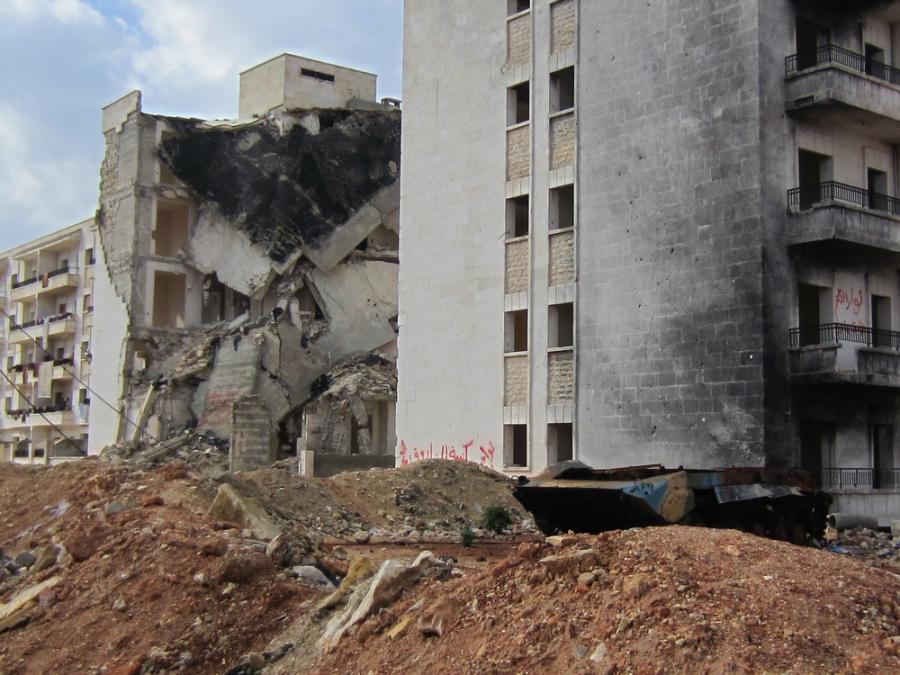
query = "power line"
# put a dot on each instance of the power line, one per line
(35, 412)
(16, 326)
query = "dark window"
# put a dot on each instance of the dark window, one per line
(516, 438)
(562, 89)
(517, 216)
(317, 75)
(518, 104)
(516, 6)
(516, 331)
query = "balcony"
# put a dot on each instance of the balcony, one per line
(20, 290)
(864, 479)
(839, 353)
(841, 87)
(58, 324)
(59, 279)
(834, 211)
(56, 415)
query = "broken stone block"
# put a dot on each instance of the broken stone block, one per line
(570, 563)
(25, 559)
(232, 507)
(312, 576)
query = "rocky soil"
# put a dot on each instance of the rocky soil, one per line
(126, 568)
(654, 600)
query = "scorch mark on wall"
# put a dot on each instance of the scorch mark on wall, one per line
(465, 453)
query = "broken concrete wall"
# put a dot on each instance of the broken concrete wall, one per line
(232, 378)
(252, 441)
(293, 190)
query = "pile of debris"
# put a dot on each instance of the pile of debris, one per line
(422, 502)
(135, 568)
(879, 548)
(119, 568)
(643, 600)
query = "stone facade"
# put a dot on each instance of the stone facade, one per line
(515, 380)
(517, 266)
(562, 141)
(561, 378)
(518, 152)
(562, 258)
(563, 25)
(518, 50)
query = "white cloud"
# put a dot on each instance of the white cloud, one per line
(40, 192)
(188, 42)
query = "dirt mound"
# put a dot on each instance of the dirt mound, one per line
(138, 576)
(427, 499)
(648, 600)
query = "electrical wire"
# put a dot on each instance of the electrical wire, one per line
(16, 326)
(29, 402)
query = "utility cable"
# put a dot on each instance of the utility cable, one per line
(34, 412)
(16, 326)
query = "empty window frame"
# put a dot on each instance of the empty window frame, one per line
(517, 216)
(518, 104)
(516, 331)
(516, 6)
(559, 443)
(171, 230)
(515, 445)
(562, 207)
(168, 299)
(814, 312)
(561, 325)
(813, 171)
(562, 89)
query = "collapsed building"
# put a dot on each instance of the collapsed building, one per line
(251, 265)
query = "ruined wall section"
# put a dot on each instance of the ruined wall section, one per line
(289, 190)
(670, 256)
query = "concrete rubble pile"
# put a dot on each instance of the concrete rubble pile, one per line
(293, 241)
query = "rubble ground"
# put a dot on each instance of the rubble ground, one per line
(653, 600)
(124, 568)
(145, 580)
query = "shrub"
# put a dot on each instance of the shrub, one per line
(466, 536)
(496, 519)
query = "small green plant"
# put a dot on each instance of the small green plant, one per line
(466, 535)
(496, 519)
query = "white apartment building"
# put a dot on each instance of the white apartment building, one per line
(654, 232)
(45, 328)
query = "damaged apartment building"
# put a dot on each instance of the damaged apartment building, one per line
(669, 233)
(250, 291)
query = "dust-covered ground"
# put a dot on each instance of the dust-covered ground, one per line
(114, 568)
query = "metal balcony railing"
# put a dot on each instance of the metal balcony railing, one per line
(805, 197)
(828, 333)
(879, 479)
(24, 282)
(843, 57)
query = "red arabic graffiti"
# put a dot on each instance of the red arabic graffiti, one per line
(451, 452)
(847, 303)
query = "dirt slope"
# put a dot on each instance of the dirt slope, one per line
(673, 599)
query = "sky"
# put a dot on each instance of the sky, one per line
(61, 61)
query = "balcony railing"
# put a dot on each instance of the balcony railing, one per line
(842, 57)
(24, 282)
(829, 333)
(806, 197)
(844, 479)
